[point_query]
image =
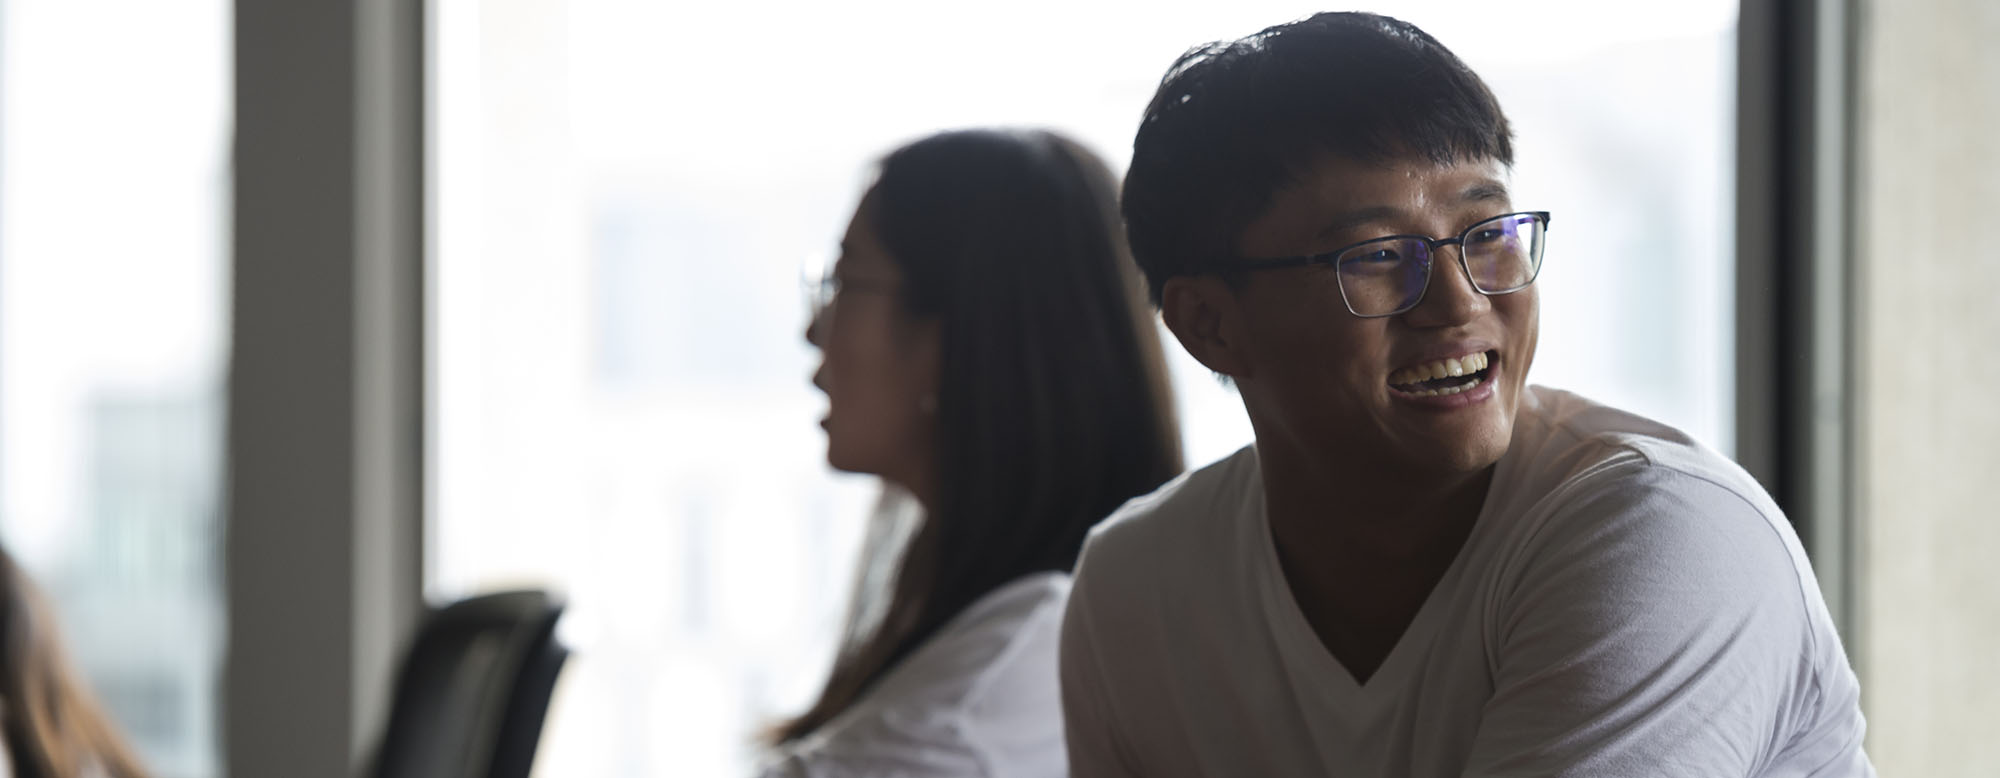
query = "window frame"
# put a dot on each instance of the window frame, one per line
(324, 535)
(1795, 340)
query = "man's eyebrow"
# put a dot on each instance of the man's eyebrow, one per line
(1346, 221)
(1485, 190)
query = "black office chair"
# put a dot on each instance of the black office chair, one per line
(473, 690)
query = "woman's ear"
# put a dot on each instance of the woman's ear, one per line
(1202, 312)
(924, 343)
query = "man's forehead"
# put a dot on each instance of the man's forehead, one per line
(1333, 195)
(1339, 179)
(1343, 193)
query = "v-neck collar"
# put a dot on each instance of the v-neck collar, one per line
(1356, 703)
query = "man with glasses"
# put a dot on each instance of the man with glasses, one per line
(1423, 566)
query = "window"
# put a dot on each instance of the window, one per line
(627, 192)
(113, 234)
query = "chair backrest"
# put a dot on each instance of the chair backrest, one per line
(473, 690)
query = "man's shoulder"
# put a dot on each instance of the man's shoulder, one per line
(1605, 484)
(1573, 441)
(1591, 478)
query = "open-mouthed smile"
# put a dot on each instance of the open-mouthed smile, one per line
(1443, 377)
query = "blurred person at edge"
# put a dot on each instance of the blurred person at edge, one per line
(1422, 566)
(52, 727)
(988, 350)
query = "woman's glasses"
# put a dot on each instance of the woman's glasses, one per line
(822, 284)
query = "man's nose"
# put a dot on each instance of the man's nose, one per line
(1450, 299)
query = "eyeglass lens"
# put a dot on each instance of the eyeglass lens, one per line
(818, 285)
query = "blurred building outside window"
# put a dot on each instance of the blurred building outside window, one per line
(113, 340)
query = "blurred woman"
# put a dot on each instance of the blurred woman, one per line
(52, 728)
(987, 348)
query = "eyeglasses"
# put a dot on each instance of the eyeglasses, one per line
(822, 285)
(1387, 276)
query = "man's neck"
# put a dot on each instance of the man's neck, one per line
(1354, 507)
(1363, 545)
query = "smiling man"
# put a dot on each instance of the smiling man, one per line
(1423, 566)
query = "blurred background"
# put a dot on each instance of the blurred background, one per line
(556, 339)
(628, 190)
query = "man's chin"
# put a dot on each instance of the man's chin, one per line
(1464, 449)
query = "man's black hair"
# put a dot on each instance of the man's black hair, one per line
(1234, 122)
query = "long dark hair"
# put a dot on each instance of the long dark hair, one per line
(1053, 405)
(52, 727)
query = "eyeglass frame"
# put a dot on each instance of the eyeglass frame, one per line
(823, 287)
(1431, 245)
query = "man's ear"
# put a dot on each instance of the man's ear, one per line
(1203, 312)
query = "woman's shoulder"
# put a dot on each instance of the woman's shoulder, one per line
(1013, 603)
(980, 695)
(1007, 636)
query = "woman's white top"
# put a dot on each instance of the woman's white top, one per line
(979, 698)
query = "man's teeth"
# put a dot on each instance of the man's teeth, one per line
(1443, 368)
(1446, 391)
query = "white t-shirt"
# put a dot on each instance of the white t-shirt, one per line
(1627, 603)
(980, 698)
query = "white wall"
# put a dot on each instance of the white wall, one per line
(1927, 288)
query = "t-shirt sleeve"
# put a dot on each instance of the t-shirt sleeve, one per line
(1090, 731)
(1655, 624)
